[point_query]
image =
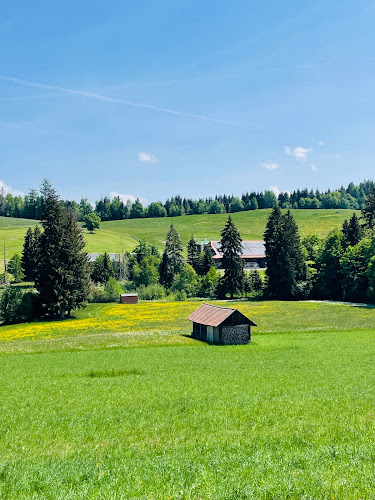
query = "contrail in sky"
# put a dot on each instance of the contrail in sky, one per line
(111, 99)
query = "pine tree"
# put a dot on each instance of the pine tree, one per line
(50, 266)
(171, 262)
(205, 261)
(193, 254)
(273, 242)
(329, 277)
(30, 253)
(368, 211)
(231, 248)
(62, 272)
(345, 229)
(76, 274)
(27, 259)
(286, 270)
(355, 231)
(295, 268)
(103, 269)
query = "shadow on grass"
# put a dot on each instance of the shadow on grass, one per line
(114, 373)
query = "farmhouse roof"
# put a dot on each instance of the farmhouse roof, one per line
(210, 315)
(94, 256)
(255, 249)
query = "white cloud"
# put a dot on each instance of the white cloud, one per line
(125, 197)
(275, 190)
(8, 190)
(321, 143)
(299, 153)
(147, 158)
(313, 167)
(270, 165)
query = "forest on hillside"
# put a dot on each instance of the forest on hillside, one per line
(31, 205)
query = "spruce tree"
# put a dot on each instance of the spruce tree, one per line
(205, 261)
(172, 261)
(28, 256)
(355, 231)
(286, 270)
(76, 277)
(48, 280)
(62, 272)
(329, 277)
(273, 242)
(345, 230)
(368, 211)
(295, 268)
(231, 248)
(30, 253)
(257, 282)
(103, 269)
(193, 254)
(166, 274)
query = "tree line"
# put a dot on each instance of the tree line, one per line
(31, 205)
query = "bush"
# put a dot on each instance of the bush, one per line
(109, 293)
(151, 292)
(113, 290)
(17, 306)
(180, 295)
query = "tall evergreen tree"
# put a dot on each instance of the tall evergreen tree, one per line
(62, 273)
(76, 276)
(355, 231)
(295, 268)
(193, 254)
(30, 253)
(231, 248)
(172, 261)
(274, 257)
(27, 259)
(102, 269)
(286, 270)
(205, 261)
(368, 210)
(329, 277)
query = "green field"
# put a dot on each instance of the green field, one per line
(121, 403)
(112, 236)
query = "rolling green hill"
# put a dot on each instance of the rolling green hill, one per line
(112, 235)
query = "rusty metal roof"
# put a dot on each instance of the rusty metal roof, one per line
(210, 315)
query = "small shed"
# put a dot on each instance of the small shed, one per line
(129, 298)
(221, 325)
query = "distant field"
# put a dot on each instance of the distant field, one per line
(113, 235)
(121, 404)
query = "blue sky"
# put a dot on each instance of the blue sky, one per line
(151, 99)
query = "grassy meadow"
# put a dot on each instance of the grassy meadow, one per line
(114, 235)
(121, 403)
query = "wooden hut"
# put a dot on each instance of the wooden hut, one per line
(221, 325)
(129, 298)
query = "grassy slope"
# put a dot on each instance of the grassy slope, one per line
(289, 416)
(113, 235)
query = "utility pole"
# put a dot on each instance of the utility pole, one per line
(122, 273)
(6, 282)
